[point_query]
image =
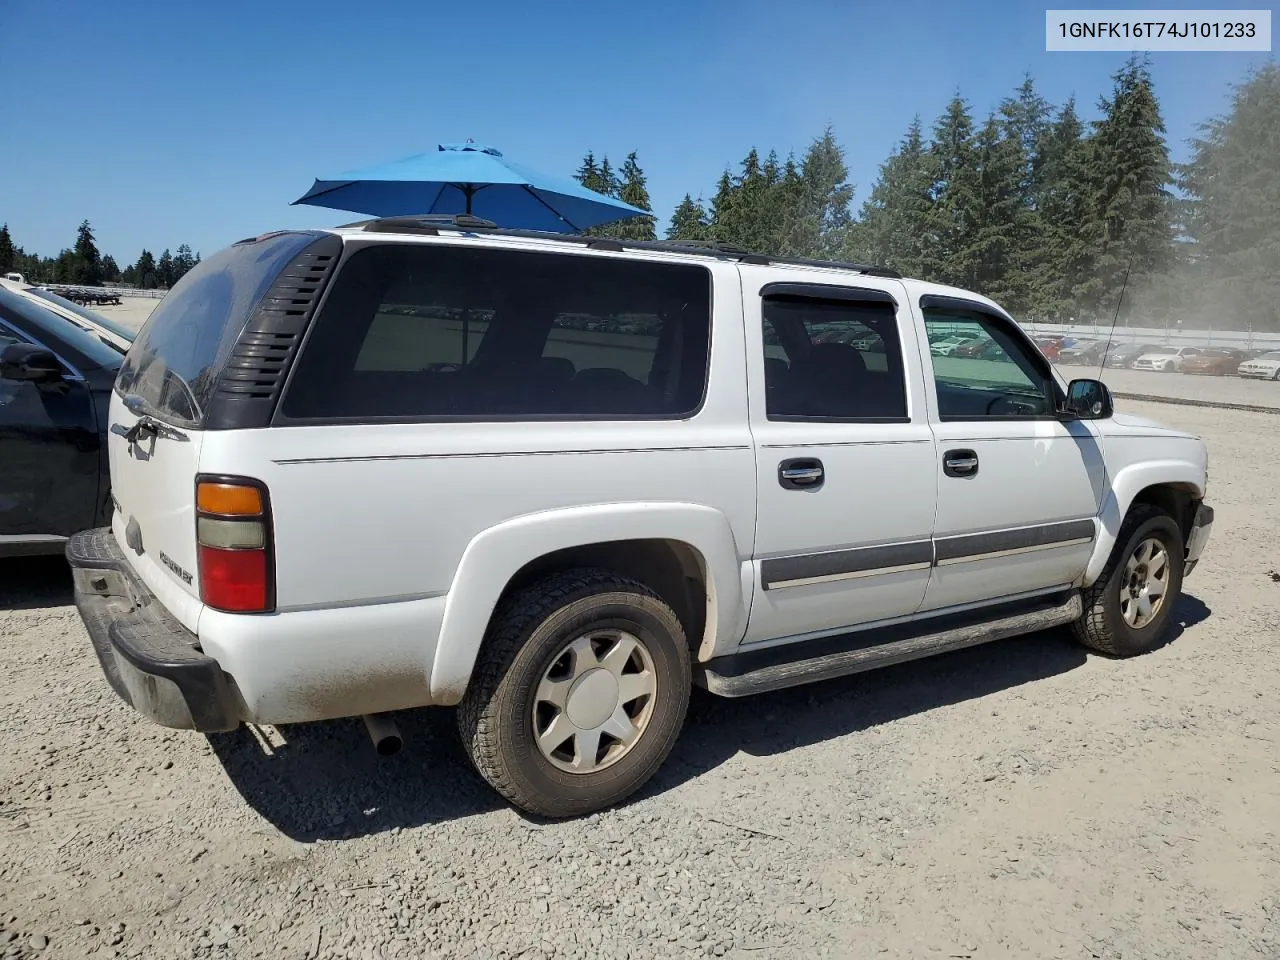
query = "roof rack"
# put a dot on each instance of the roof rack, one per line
(431, 224)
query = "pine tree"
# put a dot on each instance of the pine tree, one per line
(1027, 118)
(608, 182)
(722, 212)
(8, 252)
(1005, 222)
(164, 269)
(1063, 203)
(588, 174)
(145, 271)
(183, 261)
(635, 192)
(821, 226)
(893, 229)
(87, 266)
(110, 270)
(956, 194)
(1233, 217)
(1129, 175)
(748, 225)
(689, 222)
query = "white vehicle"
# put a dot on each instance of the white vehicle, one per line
(112, 333)
(419, 462)
(1264, 367)
(946, 347)
(1166, 359)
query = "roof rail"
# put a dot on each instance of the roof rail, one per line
(427, 223)
(431, 223)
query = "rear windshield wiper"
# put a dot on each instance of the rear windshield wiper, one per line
(146, 423)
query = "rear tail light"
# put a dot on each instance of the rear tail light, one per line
(233, 537)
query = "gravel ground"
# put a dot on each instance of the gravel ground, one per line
(1015, 800)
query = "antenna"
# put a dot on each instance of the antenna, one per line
(1115, 228)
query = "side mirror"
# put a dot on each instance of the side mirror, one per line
(25, 361)
(1088, 400)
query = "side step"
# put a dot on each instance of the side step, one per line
(789, 665)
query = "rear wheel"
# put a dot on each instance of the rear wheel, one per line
(1128, 608)
(579, 693)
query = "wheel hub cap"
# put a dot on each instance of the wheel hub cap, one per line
(1145, 583)
(594, 701)
(592, 698)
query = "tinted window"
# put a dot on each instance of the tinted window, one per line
(175, 360)
(75, 344)
(420, 331)
(1003, 377)
(832, 360)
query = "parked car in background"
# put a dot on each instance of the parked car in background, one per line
(1123, 355)
(1216, 361)
(977, 348)
(1083, 351)
(1265, 367)
(55, 390)
(946, 346)
(1049, 346)
(1166, 359)
(112, 333)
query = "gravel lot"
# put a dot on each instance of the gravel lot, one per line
(1016, 800)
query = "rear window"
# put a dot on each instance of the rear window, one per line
(429, 332)
(174, 362)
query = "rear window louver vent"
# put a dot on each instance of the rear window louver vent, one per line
(250, 382)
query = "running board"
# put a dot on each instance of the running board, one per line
(774, 668)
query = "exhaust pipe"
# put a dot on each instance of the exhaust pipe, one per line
(383, 732)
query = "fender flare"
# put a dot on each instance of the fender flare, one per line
(494, 556)
(1125, 487)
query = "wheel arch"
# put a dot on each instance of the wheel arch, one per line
(1174, 486)
(685, 552)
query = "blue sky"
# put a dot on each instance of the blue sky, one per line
(165, 123)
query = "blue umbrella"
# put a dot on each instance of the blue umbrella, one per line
(469, 178)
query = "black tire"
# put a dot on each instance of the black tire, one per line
(1102, 627)
(526, 633)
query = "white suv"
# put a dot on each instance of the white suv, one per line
(555, 481)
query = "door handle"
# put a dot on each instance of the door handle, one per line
(960, 463)
(801, 474)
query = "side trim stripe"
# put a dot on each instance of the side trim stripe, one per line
(845, 564)
(836, 565)
(971, 546)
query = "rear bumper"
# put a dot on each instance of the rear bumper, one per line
(148, 657)
(1201, 528)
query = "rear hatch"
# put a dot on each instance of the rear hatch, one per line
(162, 403)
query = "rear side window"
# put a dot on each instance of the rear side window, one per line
(173, 364)
(430, 332)
(832, 360)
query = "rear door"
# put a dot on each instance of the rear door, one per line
(844, 455)
(158, 410)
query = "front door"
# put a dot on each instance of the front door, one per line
(1018, 488)
(845, 458)
(49, 456)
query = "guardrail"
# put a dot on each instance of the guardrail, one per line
(1159, 336)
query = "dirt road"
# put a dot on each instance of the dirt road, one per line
(1016, 800)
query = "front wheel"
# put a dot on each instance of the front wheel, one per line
(579, 693)
(1128, 608)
